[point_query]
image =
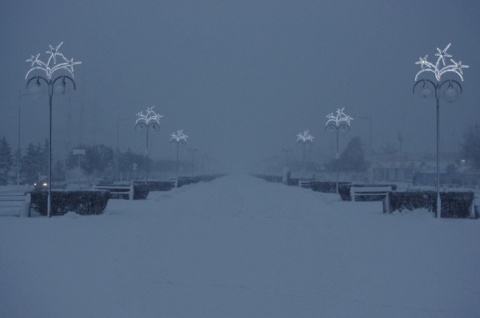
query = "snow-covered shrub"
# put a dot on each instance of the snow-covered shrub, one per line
(82, 202)
(454, 204)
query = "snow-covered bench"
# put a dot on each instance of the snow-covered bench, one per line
(370, 191)
(15, 204)
(117, 190)
(305, 183)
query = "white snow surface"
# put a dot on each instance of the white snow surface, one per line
(240, 247)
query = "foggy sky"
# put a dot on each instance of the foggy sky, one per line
(242, 78)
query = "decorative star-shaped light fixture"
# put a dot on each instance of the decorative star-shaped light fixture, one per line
(439, 70)
(304, 137)
(340, 119)
(178, 136)
(51, 65)
(149, 118)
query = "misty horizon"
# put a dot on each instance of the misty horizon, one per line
(241, 79)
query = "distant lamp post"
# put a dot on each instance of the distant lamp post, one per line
(178, 137)
(147, 121)
(56, 84)
(304, 138)
(448, 89)
(336, 124)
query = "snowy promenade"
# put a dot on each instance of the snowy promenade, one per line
(240, 247)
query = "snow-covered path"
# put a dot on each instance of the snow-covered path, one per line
(240, 247)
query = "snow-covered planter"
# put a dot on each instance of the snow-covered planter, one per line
(81, 202)
(454, 204)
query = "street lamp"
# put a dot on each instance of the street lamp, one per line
(448, 89)
(304, 138)
(50, 67)
(178, 138)
(338, 123)
(146, 121)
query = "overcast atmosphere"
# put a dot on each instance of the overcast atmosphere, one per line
(241, 78)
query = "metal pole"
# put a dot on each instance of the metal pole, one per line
(439, 203)
(117, 154)
(370, 153)
(18, 147)
(177, 160)
(146, 171)
(49, 200)
(337, 157)
(304, 160)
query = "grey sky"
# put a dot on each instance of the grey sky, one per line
(242, 78)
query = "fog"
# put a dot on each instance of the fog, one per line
(241, 78)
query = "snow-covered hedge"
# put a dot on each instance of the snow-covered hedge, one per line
(454, 204)
(82, 202)
(327, 186)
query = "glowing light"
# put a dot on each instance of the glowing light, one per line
(439, 70)
(149, 118)
(339, 120)
(178, 137)
(49, 68)
(304, 137)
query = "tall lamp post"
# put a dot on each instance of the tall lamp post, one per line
(447, 89)
(178, 138)
(147, 121)
(304, 138)
(55, 84)
(338, 123)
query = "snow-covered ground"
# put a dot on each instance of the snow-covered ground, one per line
(240, 247)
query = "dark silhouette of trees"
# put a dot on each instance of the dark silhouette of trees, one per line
(353, 157)
(34, 162)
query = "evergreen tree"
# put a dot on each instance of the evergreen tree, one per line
(353, 157)
(34, 163)
(6, 161)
